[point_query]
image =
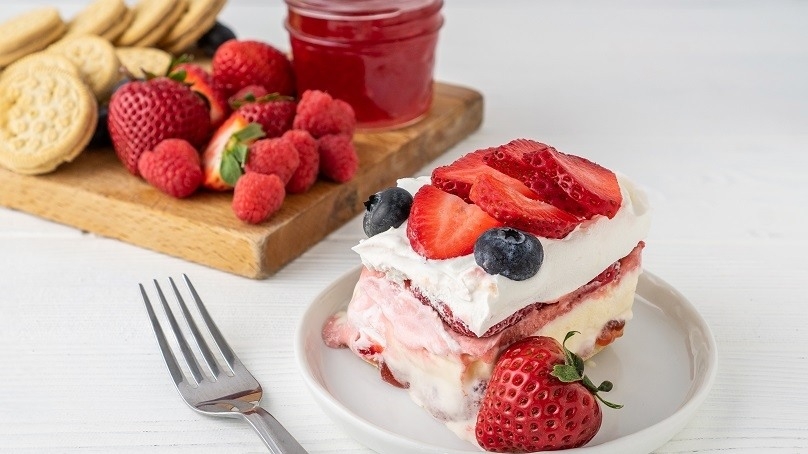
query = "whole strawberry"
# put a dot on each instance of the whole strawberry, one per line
(143, 113)
(240, 63)
(275, 113)
(250, 91)
(539, 400)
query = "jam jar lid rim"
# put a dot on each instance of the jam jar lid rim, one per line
(359, 9)
(352, 43)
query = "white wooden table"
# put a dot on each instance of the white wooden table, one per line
(703, 103)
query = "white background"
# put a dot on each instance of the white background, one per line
(703, 103)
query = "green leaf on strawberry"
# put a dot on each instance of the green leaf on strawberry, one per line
(573, 370)
(225, 156)
(234, 157)
(178, 75)
(231, 169)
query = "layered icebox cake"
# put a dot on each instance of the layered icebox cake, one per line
(504, 243)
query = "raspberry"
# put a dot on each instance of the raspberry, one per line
(338, 159)
(306, 174)
(257, 196)
(320, 114)
(172, 167)
(273, 156)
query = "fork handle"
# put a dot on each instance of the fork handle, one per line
(274, 435)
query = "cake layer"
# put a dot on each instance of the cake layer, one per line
(479, 301)
(446, 372)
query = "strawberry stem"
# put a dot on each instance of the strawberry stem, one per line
(178, 75)
(176, 61)
(573, 370)
(250, 132)
(234, 157)
(249, 97)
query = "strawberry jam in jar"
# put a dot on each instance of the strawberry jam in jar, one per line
(377, 55)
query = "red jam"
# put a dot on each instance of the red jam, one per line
(378, 55)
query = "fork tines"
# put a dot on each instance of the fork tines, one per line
(197, 364)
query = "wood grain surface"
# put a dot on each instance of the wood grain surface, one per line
(95, 193)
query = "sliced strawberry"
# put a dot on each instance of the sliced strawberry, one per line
(513, 209)
(442, 225)
(201, 82)
(511, 159)
(457, 177)
(224, 158)
(569, 182)
(591, 185)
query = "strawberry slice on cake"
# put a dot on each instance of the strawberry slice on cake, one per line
(504, 243)
(569, 182)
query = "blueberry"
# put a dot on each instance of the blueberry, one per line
(385, 209)
(214, 38)
(124, 80)
(512, 253)
(101, 137)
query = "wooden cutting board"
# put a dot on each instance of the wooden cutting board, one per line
(95, 193)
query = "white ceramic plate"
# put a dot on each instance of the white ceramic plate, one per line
(662, 368)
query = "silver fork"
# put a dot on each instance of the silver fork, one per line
(212, 388)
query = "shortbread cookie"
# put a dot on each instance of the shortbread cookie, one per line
(96, 59)
(28, 29)
(42, 60)
(48, 37)
(154, 36)
(136, 60)
(45, 116)
(149, 14)
(97, 17)
(120, 26)
(197, 20)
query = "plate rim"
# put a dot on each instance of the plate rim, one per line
(366, 432)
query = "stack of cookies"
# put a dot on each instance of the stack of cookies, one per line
(55, 73)
(28, 33)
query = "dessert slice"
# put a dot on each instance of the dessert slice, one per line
(483, 255)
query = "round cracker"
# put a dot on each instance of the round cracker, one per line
(97, 17)
(96, 59)
(136, 60)
(148, 16)
(44, 41)
(28, 29)
(44, 60)
(111, 34)
(153, 37)
(185, 41)
(45, 120)
(197, 13)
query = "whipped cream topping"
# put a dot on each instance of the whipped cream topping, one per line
(482, 300)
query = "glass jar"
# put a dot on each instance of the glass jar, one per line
(377, 55)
